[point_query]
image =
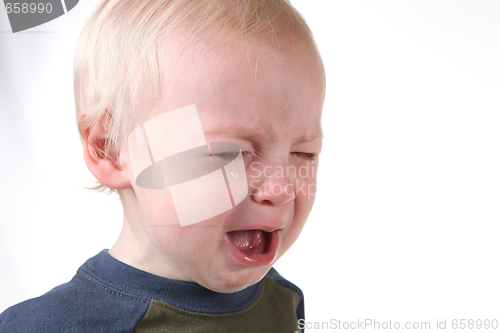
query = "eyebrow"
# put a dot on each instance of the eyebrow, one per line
(312, 136)
(242, 133)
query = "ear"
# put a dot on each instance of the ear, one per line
(108, 170)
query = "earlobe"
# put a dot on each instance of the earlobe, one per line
(101, 155)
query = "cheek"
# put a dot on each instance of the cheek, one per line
(160, 221)
(304, 200)
(305, 192)
(305, 184)
(181, 242)
(156, 207)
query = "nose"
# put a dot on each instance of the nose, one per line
(274, 188)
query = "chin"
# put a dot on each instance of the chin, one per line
(236, 281)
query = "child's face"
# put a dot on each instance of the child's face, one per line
(270, 105)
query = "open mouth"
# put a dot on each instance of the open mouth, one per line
(253, 247)
(250, 241)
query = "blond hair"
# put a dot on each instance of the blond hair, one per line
(116, 69)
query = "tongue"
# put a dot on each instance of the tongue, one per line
(249, 241)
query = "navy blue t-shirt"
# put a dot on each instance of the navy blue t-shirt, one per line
(107, 295)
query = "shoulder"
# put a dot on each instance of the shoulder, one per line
(274, 275)
(72, 306)
(296, 294)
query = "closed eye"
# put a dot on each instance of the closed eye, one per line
(228, 155)
(305, 156)
(235, 155)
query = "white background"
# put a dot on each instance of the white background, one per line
(406, 222)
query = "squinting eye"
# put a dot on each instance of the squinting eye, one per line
(305, 156)
(228, 155)
(234, 155)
